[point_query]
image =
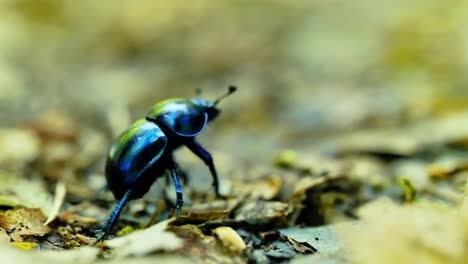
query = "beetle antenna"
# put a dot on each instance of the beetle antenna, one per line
(231, 89)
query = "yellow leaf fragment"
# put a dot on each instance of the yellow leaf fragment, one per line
(286, 158)
(125, 231)
(409, 192)
(230, 238)
(24, 245)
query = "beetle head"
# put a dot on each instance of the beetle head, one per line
(210, 107)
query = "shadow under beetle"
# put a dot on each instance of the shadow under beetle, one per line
(143, 152)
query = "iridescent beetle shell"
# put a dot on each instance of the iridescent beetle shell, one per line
(132, 154)
(144, 151)
(184, 117)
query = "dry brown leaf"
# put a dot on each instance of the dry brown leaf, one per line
(265, 188)
(23, 222)
(144, 242)
(70, 218)
(264, 213)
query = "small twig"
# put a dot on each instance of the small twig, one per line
(59, 198)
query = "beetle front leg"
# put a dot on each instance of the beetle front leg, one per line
(113, 217)
(178, 189)
(204, 155)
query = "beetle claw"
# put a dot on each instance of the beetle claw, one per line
(101, 237)
(177, 209)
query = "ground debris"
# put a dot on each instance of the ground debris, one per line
(200, 246)
(199, 217)
(264, 214)
(72, 239)
(230, 238)
(283, 247)
(324, 239)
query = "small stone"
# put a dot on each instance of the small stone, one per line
(230, 238)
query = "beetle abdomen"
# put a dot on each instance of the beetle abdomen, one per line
(180, 115)
(134, 152)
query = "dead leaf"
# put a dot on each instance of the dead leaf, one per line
(265, 188)
(23, 222)
(195, 218)
(428, 234)
(264, 213)
(302, 247)
(144, 242)
(323, 238)
(206, 248)
(72, 218)
(19, 192)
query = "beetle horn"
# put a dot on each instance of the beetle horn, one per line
(231, 89)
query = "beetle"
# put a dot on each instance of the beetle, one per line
(144, 152)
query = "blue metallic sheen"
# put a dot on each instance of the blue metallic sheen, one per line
(143, 152)
(181, 116)
(134, 152)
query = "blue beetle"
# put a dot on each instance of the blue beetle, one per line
(143, 152)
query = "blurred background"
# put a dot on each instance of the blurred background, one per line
(305, 69)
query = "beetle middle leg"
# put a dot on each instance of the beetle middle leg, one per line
(178, 189)
(204, 155)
